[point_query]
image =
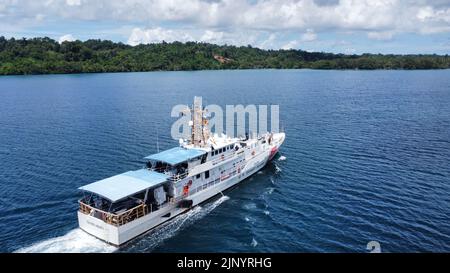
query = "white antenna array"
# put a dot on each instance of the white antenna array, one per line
(198, 123)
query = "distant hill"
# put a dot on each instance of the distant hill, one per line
(46, 56)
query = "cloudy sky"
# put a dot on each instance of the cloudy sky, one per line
(346, 26)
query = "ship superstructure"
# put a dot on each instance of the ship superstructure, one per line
(121, 207)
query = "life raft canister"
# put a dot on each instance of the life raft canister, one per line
(186, 190)
(186, 187)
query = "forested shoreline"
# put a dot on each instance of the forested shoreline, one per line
(47, 56)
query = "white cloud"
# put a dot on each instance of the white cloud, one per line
(269, 42)
(291, 45)
(73, 2)
(365, 15)
(157, 35)
(349, 51)
(67, 37)
(235, 21)
(309, 36)
(212, 37)
(381, 35)
(39, 17)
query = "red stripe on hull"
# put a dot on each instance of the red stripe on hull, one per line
(273, 152)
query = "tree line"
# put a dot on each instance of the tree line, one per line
(47, 56)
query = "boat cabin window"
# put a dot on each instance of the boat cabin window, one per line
(149, 165)
(161, 166)
(204, 157)
(155, 198)
(197, 176)
(206, 174)
(181, 168)
(128, 203)
(97, 202)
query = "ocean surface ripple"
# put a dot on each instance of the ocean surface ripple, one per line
(365, 159)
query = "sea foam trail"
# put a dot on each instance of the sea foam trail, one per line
(78, 241)
(75, 241)
(277, 169)
(282, 158)
(254, 243)
(171, 228)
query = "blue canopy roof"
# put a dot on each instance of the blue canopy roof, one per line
(176, 155)
(122, 185)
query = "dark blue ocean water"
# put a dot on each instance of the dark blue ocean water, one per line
(366, 158)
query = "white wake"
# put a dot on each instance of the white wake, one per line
(154, 238)
(75, 241)
(277, 169)
(78, 241)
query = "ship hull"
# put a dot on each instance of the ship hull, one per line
(119, 235)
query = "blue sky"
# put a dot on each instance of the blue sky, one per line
(340, 26)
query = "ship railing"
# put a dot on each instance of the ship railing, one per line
(172, 176)
(116, 219)
(177, 177)
(222, 158)
(197, 189)
(129, 215)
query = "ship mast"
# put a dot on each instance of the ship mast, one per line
(200, 130)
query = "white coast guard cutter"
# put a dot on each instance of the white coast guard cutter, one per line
(121, 207)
